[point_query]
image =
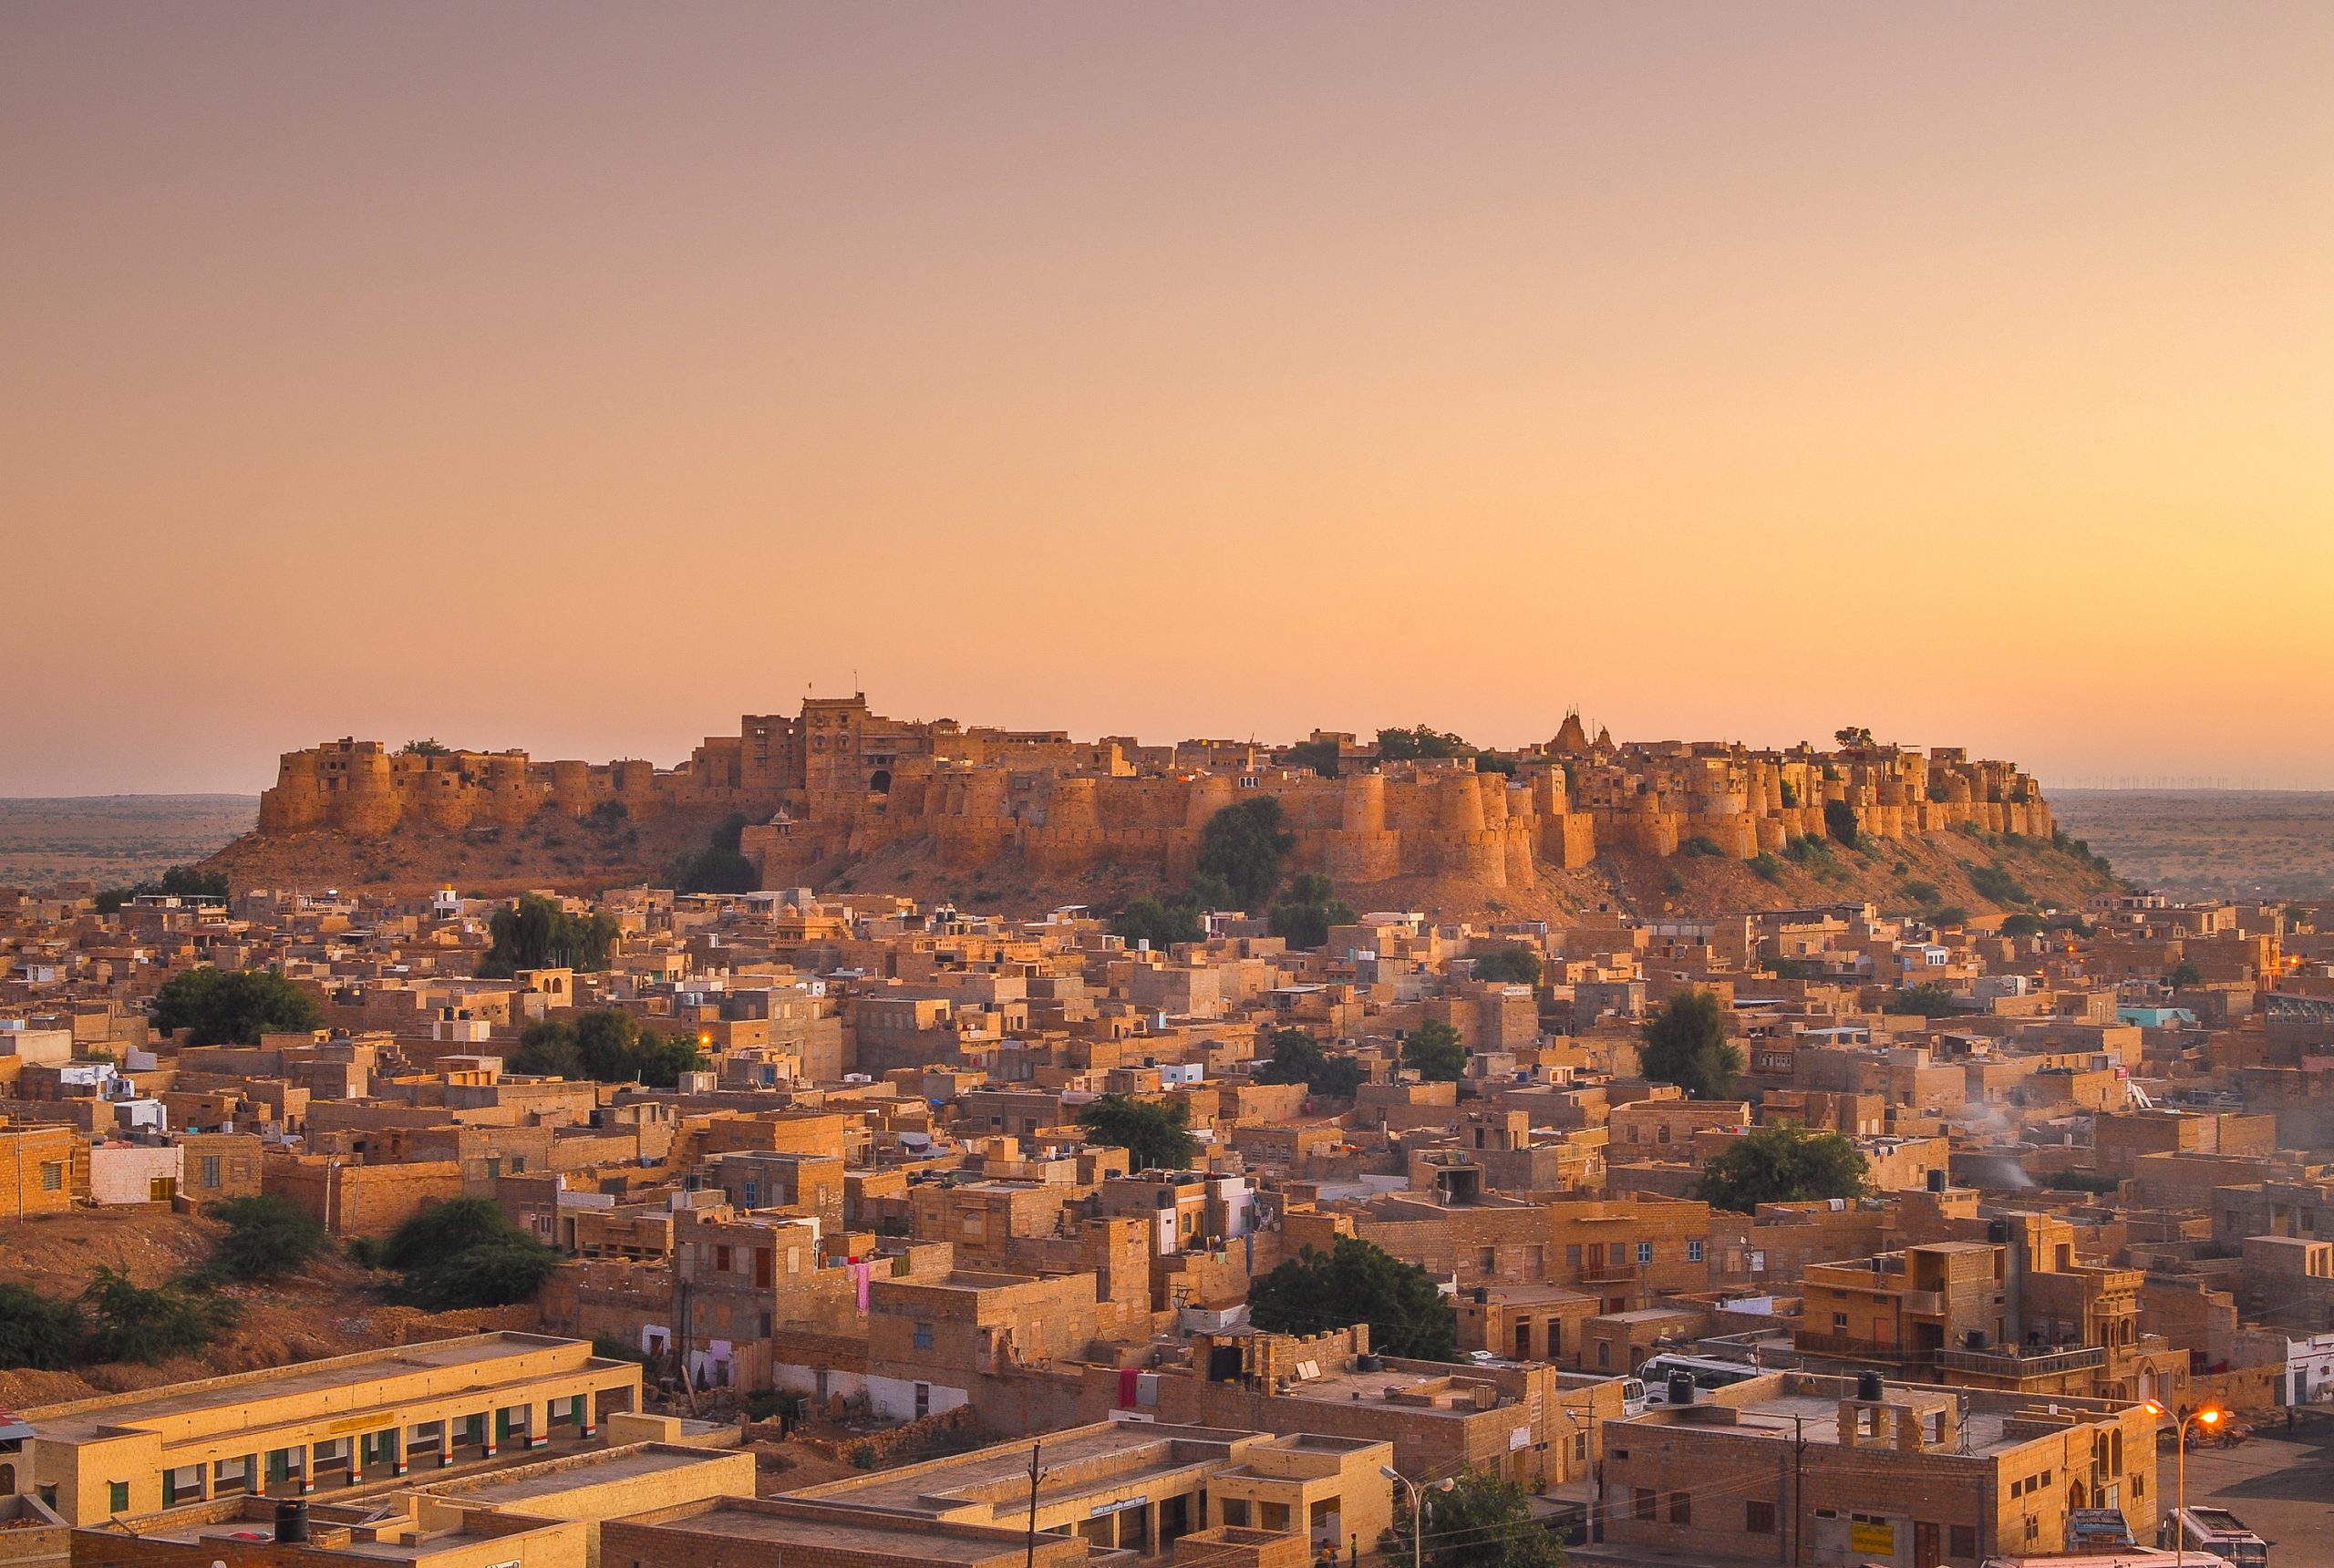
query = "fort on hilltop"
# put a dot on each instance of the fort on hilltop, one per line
(837, 781)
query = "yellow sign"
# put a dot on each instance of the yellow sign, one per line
(354, 1424)
(1880, 1540)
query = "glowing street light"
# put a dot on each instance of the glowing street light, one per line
(2208, 1416)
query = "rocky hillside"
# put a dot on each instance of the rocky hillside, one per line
(555, 851)
(330, 1308)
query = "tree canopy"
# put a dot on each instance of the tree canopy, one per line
(1509, 965)
(1244, 844)
(1930, 1000)
(1313, 906)
(179, 881)
(1840, 821)
(1420, 743)
(1160, 923)
(234, 1006)
(536, 933)
(2184, 974)
(1297, 1057)
(1783, 1165)
(128, 1322)
(719, 867)
(463, 1253)
(1686, 1044)
(266, 1238)
(1480, 1521)
(1436, 1050)
(606, 1047)
(1358, 1283)
(1156, 1134)
(1321, 756)
(34, 1331)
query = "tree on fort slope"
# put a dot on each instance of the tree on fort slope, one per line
(1686, 1044)
(719, 867)
(1312, 908)
(1244, 845)
(1783, 1165)
(1156, 1134)
(266, 1238)
(1358, 1283)
(1508, 966)
(234, 1006)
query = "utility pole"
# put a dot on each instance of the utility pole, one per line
(1030, 1557)
(1798, 1481)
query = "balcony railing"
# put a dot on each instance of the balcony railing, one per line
(2029, 1364)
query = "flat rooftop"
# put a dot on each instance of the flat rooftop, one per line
(843, 1530)
(549, 1479)
(1819, 1420)
(87, 1419)
(1148, 1450)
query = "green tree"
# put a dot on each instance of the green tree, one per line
(131, 1323)
(2184, 975)
(1929, 999)
(1686, 1044)
(1358, 1283)
(463, 1253)
(1320, 756)
(1855, 737)
(34, 1331)
(1420, 743)
(1475, 1519)
(266, 1238)
(1244, 844)
(1840, 821)
(1161, 924)
(605, 1046)
(1509, 965)
(1996, 884)
(179, 881)
(720, 866)
(1436, 1050)
(1312, 908)
(1156, 1134)
(535, 933)
(1297, 1057)
(234, 1006)
(423, 748)
(501, 1273)
(1493, 762)
(1783, 1165)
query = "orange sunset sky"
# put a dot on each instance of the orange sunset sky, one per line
(578, 377)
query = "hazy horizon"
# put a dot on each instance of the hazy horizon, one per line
(575, 378)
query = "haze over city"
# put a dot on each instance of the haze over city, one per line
(578, 377)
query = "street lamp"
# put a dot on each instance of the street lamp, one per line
(2207, 1416)
(1417, 1509)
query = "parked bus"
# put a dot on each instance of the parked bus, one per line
(2216, 1531)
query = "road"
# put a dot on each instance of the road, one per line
(2283, 1487)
